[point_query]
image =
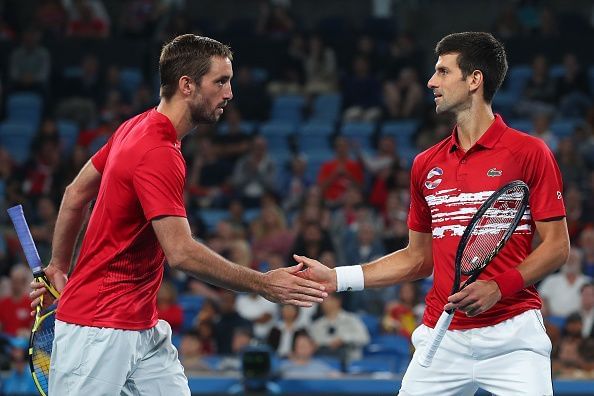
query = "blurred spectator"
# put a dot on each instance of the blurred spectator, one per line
(586, 310)
(338, 173)
(42, 228)
(507, 24)
(337, 332)
(142, 18)
(321, 74)
(41, 170)
(548, 24)
(289, 74)
(539, 92)
(30, 63)
(403, 51)
(228, 321)
(541, 128)
(168, 307)
(366, 47)
(50, 17)
(403, 315)
(235, 143)
(302, 363)
(344, 217)
(86, 19)
(386, 156)
(569, 362)
(403, 97)
(258, 310)
(395, 229)
(209, 177)
(574, 209)
(361, 93)
(570, 279)
(363, 245)
(270, 234)
(281, 336)
(14, 315)
(190, 353)
(241, 338)
(312, 241)
(295, 184)
(254, 174)
(586, 243)
(572, 91)
(250, 99)
(19, 381)
(274, 20)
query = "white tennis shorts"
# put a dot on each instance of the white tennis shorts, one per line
(509, 358)
(103, 361)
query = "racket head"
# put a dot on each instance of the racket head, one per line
(490, 228)
(40, 347)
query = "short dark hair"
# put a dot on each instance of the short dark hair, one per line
(188, 55)
(477, 51)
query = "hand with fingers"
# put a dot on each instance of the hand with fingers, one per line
(317, 272)
(282, 285)
(57, 278)
(475, 298)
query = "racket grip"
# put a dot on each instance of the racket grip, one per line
(22, 229)
(439, 331)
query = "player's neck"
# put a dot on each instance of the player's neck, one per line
(472, 123)
(178, 115)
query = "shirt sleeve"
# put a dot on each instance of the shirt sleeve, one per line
(419, 214)
(544, 181)
(100, 158)
(159, 183)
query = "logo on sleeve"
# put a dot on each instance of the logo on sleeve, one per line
(494, 172)
(433, 179)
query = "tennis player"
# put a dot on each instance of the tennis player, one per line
(108, 339)
(497, 340)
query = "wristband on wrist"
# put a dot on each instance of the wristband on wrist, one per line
(510, 282)
(349, 278)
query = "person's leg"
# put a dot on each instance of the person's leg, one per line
(515, 357)
(159, 371)
(451, 372)
(88, 361)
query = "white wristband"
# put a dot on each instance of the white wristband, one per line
(349, 278)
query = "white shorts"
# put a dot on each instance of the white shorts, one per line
(510, 358)
(92, 361)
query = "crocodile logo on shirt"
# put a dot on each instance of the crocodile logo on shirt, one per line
(494, 172)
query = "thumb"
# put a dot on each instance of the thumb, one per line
(306, 260)
(294, 269)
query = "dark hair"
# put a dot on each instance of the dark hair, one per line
(477, 51)
(187, 55)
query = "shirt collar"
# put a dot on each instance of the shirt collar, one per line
(489, 138)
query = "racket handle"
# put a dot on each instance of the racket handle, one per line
(439, 331)
(22, 229)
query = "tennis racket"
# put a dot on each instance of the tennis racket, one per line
(42, 333)
(486, 234)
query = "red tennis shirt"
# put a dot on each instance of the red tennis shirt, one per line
(120, 266)
(447, 187)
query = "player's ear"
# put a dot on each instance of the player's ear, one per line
(186, 85)
(475, 80)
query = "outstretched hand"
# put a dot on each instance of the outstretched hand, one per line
(58, 280)
(317, 272)
(283, 286)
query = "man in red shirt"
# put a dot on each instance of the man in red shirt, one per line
(108, 338)
(496, 340)
(14, 314)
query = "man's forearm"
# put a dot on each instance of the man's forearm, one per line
(68, 226)
(396, 267)
(203, 263)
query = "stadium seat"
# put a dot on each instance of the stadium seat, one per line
(130, 79)
(521, 124)
(315, 135)
(16, 137)
(372, 322)
(326, 108)
(24, 107)
(358, 132)
(212, 217)
(287, 108)
(68, 132)
(563, 127)
(517, 77)
(247, 127)
(388, 343)
(97, 143)
(371, 364)
(191, 305)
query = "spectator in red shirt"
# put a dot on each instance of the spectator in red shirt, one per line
(337, 174)
(14, 315)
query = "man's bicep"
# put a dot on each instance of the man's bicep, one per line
(86, 184)
(553, 231)
(172, 232)
(420, 245)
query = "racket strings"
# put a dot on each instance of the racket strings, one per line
(491, 230)
(41, 350)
